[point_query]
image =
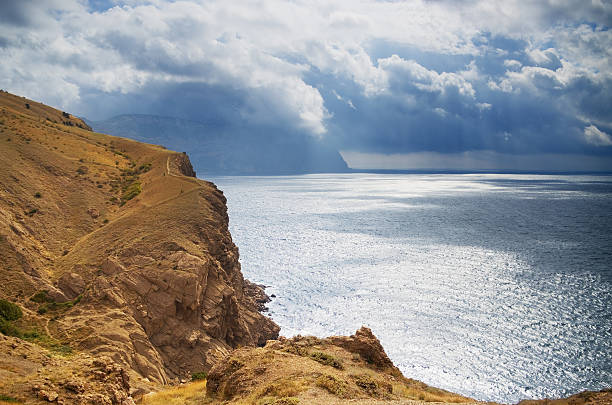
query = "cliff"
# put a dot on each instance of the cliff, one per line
(117, 256)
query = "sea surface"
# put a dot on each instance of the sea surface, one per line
(498, 287)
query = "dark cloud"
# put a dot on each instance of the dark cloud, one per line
(17, 13)
(435, 77)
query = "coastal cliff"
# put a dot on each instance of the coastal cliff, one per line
(117, 255)
(120, 283)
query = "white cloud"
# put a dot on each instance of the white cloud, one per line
(595, 136)
(424, 79)
(270, 50)
(483, 106)
(512, 64)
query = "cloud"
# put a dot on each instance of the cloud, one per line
(425, 76)
(594, 136)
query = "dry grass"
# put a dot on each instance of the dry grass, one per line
(192, 393)
(428, 394)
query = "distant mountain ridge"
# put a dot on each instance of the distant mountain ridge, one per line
(216, 147)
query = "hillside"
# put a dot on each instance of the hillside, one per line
(113, 249)
(218, 149)
(120, 283)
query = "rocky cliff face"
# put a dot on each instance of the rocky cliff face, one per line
(115, 250)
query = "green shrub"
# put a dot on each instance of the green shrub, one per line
(7, 398)
(199, 376)
(10, 311)
(49, 304)
(131, 191)
(144, 168)
(326, 359)
(8, 329)
(41, 297)
(37, 195)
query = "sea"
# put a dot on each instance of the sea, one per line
(494, 286)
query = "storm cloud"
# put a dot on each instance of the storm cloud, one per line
(367, 77)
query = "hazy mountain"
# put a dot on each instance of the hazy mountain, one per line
(216, 148)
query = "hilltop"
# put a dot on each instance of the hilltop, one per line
(120, 283)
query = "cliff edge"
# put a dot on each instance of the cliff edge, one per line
(116, 256)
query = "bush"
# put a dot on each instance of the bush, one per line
(326, 359)
(10, 311)
(131, 191)
(7, 328)
(37, 195)
(333, 385)
(144, 168)
(7, 398)
(41, 297)
(199, 376)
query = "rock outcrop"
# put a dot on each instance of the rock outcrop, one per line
(365, 344)
(309, 370)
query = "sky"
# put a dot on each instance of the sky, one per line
(476, 84)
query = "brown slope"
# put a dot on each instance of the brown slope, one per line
(153, 282)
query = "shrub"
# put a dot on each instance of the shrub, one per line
(10, 311)
(7, 328)
(131, 191)
(82, 170)
(37, 195)
(373, 387)
(144, 168)
(333, 385)
(41, 297)
(7, 398)
(201, 375)
(326, 359)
